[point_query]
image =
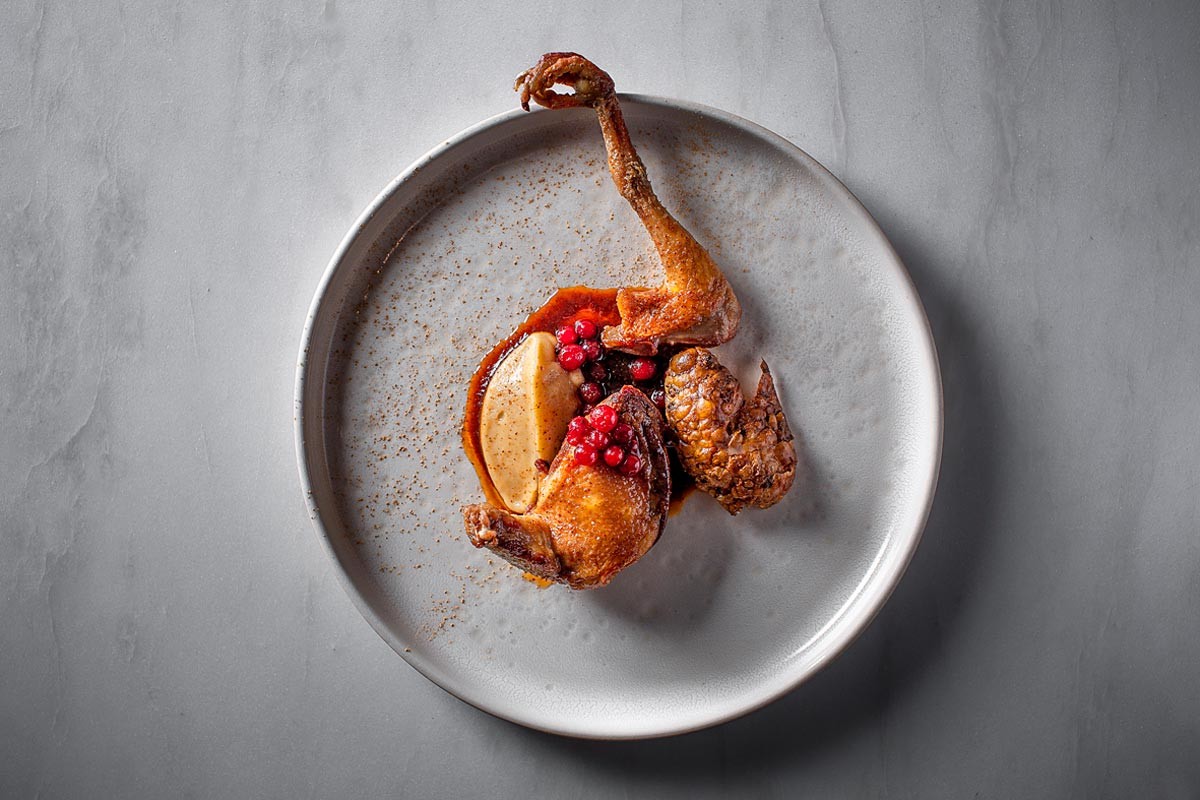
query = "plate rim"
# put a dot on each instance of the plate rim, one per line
(852, 628)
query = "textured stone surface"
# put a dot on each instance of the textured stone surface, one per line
(174, 182)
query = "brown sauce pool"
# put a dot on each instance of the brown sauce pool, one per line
(565, 307)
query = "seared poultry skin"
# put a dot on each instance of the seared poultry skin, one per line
(695, 305)
(589, 522)
(739, 452)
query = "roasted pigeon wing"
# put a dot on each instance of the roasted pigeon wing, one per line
(740, 452)
(589, 522)
(695, 305)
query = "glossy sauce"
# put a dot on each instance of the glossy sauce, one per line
(563, 308)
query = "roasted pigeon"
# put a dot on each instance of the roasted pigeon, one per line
(589, 521)
(739, 452)
(695, 305)
(604, 499)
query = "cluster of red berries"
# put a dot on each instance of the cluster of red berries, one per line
(579, 347)
(578, 344)
(600, 436)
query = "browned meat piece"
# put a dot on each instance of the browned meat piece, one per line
(695, 304)
(741, 453)
(589, 523)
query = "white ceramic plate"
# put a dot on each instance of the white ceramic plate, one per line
(724, 614)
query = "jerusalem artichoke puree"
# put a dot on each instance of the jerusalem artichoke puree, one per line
(526, 408)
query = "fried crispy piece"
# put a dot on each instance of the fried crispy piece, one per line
(739, 452)
(695, 304)
(589, 523)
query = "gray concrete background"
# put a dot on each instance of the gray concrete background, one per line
(175, 178)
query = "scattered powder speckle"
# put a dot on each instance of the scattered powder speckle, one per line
(469, 259)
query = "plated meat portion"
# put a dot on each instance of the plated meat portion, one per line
(593, 517)
(695, 305)
(739, 452)
(613, 358)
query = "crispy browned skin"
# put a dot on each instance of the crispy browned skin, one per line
(695, 304)
(589, 523)
(739, 452)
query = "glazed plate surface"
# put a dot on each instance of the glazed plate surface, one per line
(724, 614)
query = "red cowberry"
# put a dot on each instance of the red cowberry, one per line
(659, 398)
(586, 456)
(622, 434)
(642, 369)
(631, 465)
(585, 329)
(596, 371)
(592, 349)
(591, 393)
(571, 357)
(603, 418)
(565, 334)
(597, 440)
(613, 456)
(577, 428)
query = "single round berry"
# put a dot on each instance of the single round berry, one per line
(597, 440)
(571, 357)
(591, 393)
(565, 334)
(577, 428)
(596, 371)
(659, 398)
(613, 456)
(585, 329)
(631, 465)
(642, 369)
(603, 418)
(592, 349)
(622, 434)
(587, 456)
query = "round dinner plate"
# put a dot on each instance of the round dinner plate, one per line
(725, 613)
